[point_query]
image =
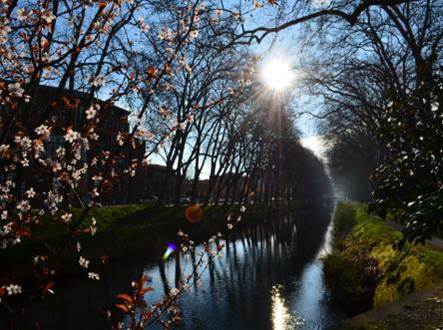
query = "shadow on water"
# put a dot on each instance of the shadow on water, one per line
(268, 277)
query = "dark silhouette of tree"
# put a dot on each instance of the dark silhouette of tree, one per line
(382, 66)
(410, 184)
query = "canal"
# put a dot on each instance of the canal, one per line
(269, 276)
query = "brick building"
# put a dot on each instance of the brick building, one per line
(147, 183)
(112, 119)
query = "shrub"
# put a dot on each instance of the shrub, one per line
(367, 269)
(344, 219)
(352, 280)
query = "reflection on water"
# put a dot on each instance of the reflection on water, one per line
(326, 247)
(282, 319)
(309, 298)
(268, 277)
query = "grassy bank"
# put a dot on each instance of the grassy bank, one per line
(125, 232)
(366, 271)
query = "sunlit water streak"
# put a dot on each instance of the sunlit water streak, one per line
(309, 299)
(270, 276)
(282, 318)
(258, 283)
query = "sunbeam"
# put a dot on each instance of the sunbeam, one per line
(277, 74)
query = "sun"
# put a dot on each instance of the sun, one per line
(277, 74)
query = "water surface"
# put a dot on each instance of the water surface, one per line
(269, 276)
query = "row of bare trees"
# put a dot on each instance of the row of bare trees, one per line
(219, 132)
(173, 63)
(181, 68)
(380, 82)
(239, 141)
(95, 55)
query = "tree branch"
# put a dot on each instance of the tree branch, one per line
(351, 18)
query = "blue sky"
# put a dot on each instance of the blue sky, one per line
(286, 45)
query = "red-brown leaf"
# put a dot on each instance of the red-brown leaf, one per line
(125, 297)
(25, 233)
(48, 287)
(147, 289)
(124, 308)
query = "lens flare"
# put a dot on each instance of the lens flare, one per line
(194, 213)
(169, 250)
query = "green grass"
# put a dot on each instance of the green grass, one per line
(344, 219)
(367, 243)
(122, 230)
(47, 235)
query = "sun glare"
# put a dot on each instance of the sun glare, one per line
(281, 317)
(278, 74)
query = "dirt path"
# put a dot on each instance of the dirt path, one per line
(435, 242)
(419, 310)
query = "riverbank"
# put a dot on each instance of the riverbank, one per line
(366, 272)
(127, 232)
(267, 259)
(422, 309)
